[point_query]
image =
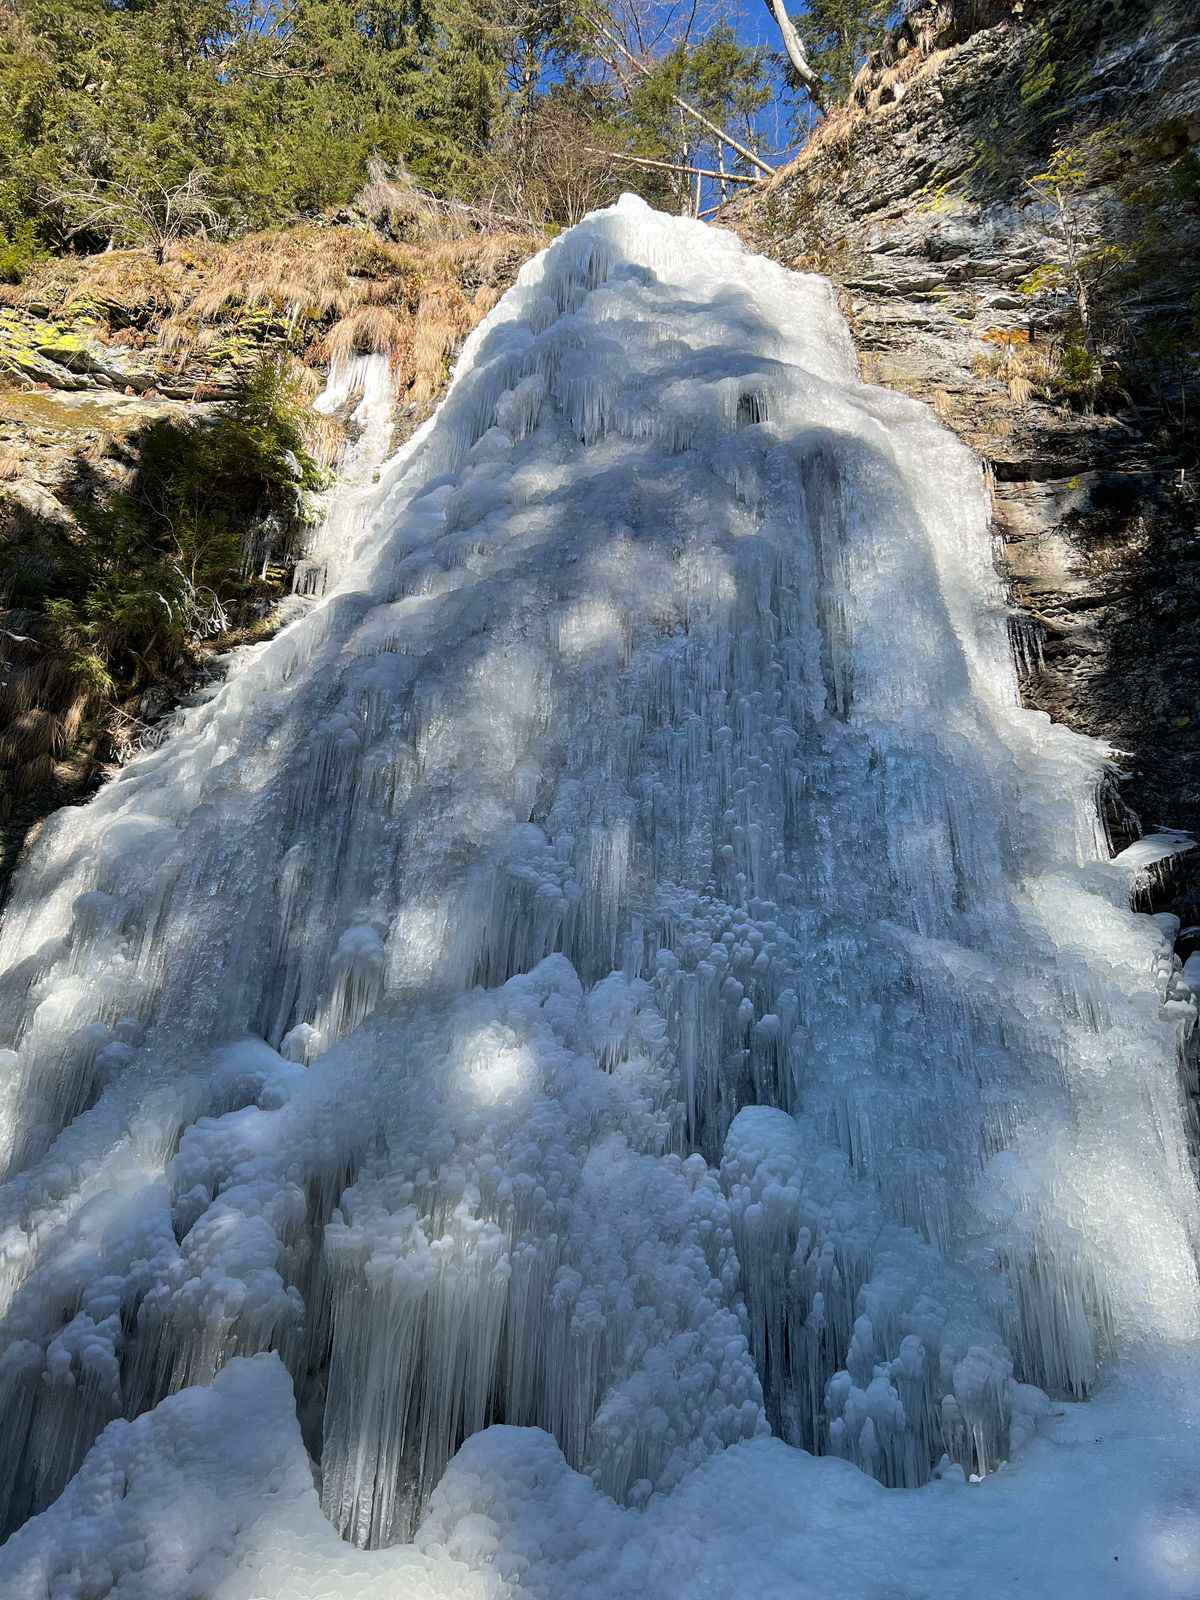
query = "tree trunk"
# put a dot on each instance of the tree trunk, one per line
(794, 46)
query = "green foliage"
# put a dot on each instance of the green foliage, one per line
(1049, 275)
(1094, 159)
(135, 120)
(1092, 268)
(1052, 68)
(840, 34)
(19, 251)
(1040, 68)
(1080, 373)
(1121, 206)
(1088, 268)
(720, 77)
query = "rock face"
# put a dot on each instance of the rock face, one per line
(44, 434)
(58, 447)
(114, 360)
(66, 356)
(955, 274)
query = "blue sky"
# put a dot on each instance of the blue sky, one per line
(753, 25)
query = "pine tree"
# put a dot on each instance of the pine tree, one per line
(841, 34)
(128, 119)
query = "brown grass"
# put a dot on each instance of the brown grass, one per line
(41, 712)
(125, 287)
(181, 340)
(889, 74)
(303, 379)
(370, 330)
(834, 135)
(1028, 371)
(943, 404)
(325, 438)
(287, 270)
(392, 201)
(915, 50)
(444, 318)
(320, 290)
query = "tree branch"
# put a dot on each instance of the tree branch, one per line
(794, 46)
(672, 166)
(726, 138)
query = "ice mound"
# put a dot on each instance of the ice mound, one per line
(616, 978)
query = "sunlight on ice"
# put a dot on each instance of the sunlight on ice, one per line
(607, 1050)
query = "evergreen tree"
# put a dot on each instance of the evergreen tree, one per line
(130, 118)
(132, 122)
(841, 34)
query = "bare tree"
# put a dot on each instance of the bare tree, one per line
(796, 54)
(610, 44)
(545, 168)
(147, 214)
(674, 166)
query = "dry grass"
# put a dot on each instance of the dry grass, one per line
(324, 437)
(42, 710)
(182, 341)
(343, 292)
(444, 318)
(943, 404)
(1028, 371)
(288, 271)
(424, 306)
(833, 136)
(127, 288)
(394, 203)
(889, 74)
(304, 381)
(370, 330)
(917, 49)
(321, 290)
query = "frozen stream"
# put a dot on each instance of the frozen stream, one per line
(619, 982)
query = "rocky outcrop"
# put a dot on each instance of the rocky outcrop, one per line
(68, 356)
(919, 199)
(47, 434)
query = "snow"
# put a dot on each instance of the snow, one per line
(606, 1057)
(1150, 859)
(211, 1494)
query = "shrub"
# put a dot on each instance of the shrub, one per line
(197, 542)
(187, 545)
(20, 251)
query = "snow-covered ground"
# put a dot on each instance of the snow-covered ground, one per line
(618, 982)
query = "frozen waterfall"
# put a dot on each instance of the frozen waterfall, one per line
(607, 1058)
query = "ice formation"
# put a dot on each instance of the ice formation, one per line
(616, 989)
